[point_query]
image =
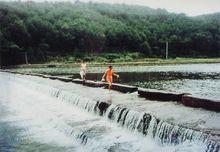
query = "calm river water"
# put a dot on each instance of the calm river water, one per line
(202, 80)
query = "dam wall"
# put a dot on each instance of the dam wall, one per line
(151, 94)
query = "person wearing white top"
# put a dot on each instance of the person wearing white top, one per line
(83, 71)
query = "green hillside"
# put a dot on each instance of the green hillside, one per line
(45, 30)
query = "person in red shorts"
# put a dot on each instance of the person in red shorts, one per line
(109, 73)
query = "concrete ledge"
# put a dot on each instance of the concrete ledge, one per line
(78, 81)
(64, 79)
(115, 86)
(196, 102)
(94, 84)
(45, 76)
(27, 74)
(89, 83)
(123, 88)
(38, 74)
(153, 94)
(52, 77)
(15, 72)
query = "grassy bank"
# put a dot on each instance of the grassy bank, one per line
(141, 65)
(134, 62)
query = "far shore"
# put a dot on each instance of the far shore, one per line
(141, 62)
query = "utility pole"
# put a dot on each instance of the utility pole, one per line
(26, 59)
(167, 47)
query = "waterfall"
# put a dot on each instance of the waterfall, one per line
(143, 123)
(162, 132)
(133, 120)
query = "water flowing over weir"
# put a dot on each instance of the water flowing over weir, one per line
(138, 123)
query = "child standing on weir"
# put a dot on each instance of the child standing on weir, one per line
(83, 71)
(109, 73)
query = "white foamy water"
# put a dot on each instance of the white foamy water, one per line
(33, 120)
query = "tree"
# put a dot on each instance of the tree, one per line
(48, 29)
(146, 49)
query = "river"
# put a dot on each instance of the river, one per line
(36, 116)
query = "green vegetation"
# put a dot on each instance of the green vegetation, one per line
(125, 58)
(135, 62)
(67, 32)
(101, 58)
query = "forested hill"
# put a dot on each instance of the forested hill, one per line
(45, 29)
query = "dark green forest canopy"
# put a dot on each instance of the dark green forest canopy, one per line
(50, 29)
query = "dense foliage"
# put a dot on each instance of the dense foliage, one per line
(49, 29)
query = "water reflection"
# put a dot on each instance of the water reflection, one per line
(201, 88)
(127, 77)
(198, 79)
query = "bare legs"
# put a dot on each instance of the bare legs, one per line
(109, 86)
(83, 77)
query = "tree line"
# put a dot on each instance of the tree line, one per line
(60, 28)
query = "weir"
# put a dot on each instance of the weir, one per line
(139, 121)
(151, 94)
